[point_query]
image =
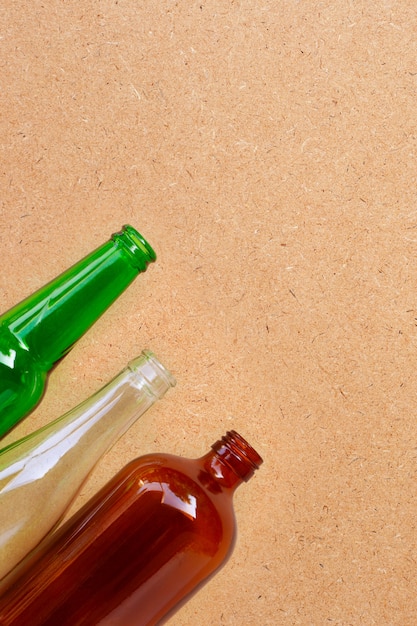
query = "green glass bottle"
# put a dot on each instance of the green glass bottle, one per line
(40, 330)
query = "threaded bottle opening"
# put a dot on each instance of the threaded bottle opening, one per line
(150, 372)
(136, 245)
(238, 454)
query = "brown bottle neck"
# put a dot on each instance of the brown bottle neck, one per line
(231, 461)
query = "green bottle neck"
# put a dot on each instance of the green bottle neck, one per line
(49, 322)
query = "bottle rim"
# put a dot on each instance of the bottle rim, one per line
(238, 454)
(136, 245)
(150, 371)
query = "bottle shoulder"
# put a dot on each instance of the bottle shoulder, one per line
(183, 474)
(15, 356)
(170, 484)
(22, 381)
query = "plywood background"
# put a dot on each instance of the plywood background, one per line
(267, 150)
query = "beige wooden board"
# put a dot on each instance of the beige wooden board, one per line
(267, 150)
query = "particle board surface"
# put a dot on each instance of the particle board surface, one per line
(268, 152)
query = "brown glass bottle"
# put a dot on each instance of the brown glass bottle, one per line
(137, 550)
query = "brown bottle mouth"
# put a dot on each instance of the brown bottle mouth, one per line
(238, 454)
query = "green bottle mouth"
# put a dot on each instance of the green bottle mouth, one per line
(140, 250)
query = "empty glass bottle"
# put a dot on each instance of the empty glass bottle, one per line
(41, 474)
(137, 550)
(36, 333)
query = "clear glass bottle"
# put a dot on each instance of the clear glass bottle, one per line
(41, 474)
(40, 330)
(137, 550)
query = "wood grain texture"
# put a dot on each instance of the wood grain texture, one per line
(268, 153)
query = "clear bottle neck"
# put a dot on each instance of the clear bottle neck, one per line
(95, 424)
(150, 373)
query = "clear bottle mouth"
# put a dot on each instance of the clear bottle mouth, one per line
(136, 245)
(152, 373)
